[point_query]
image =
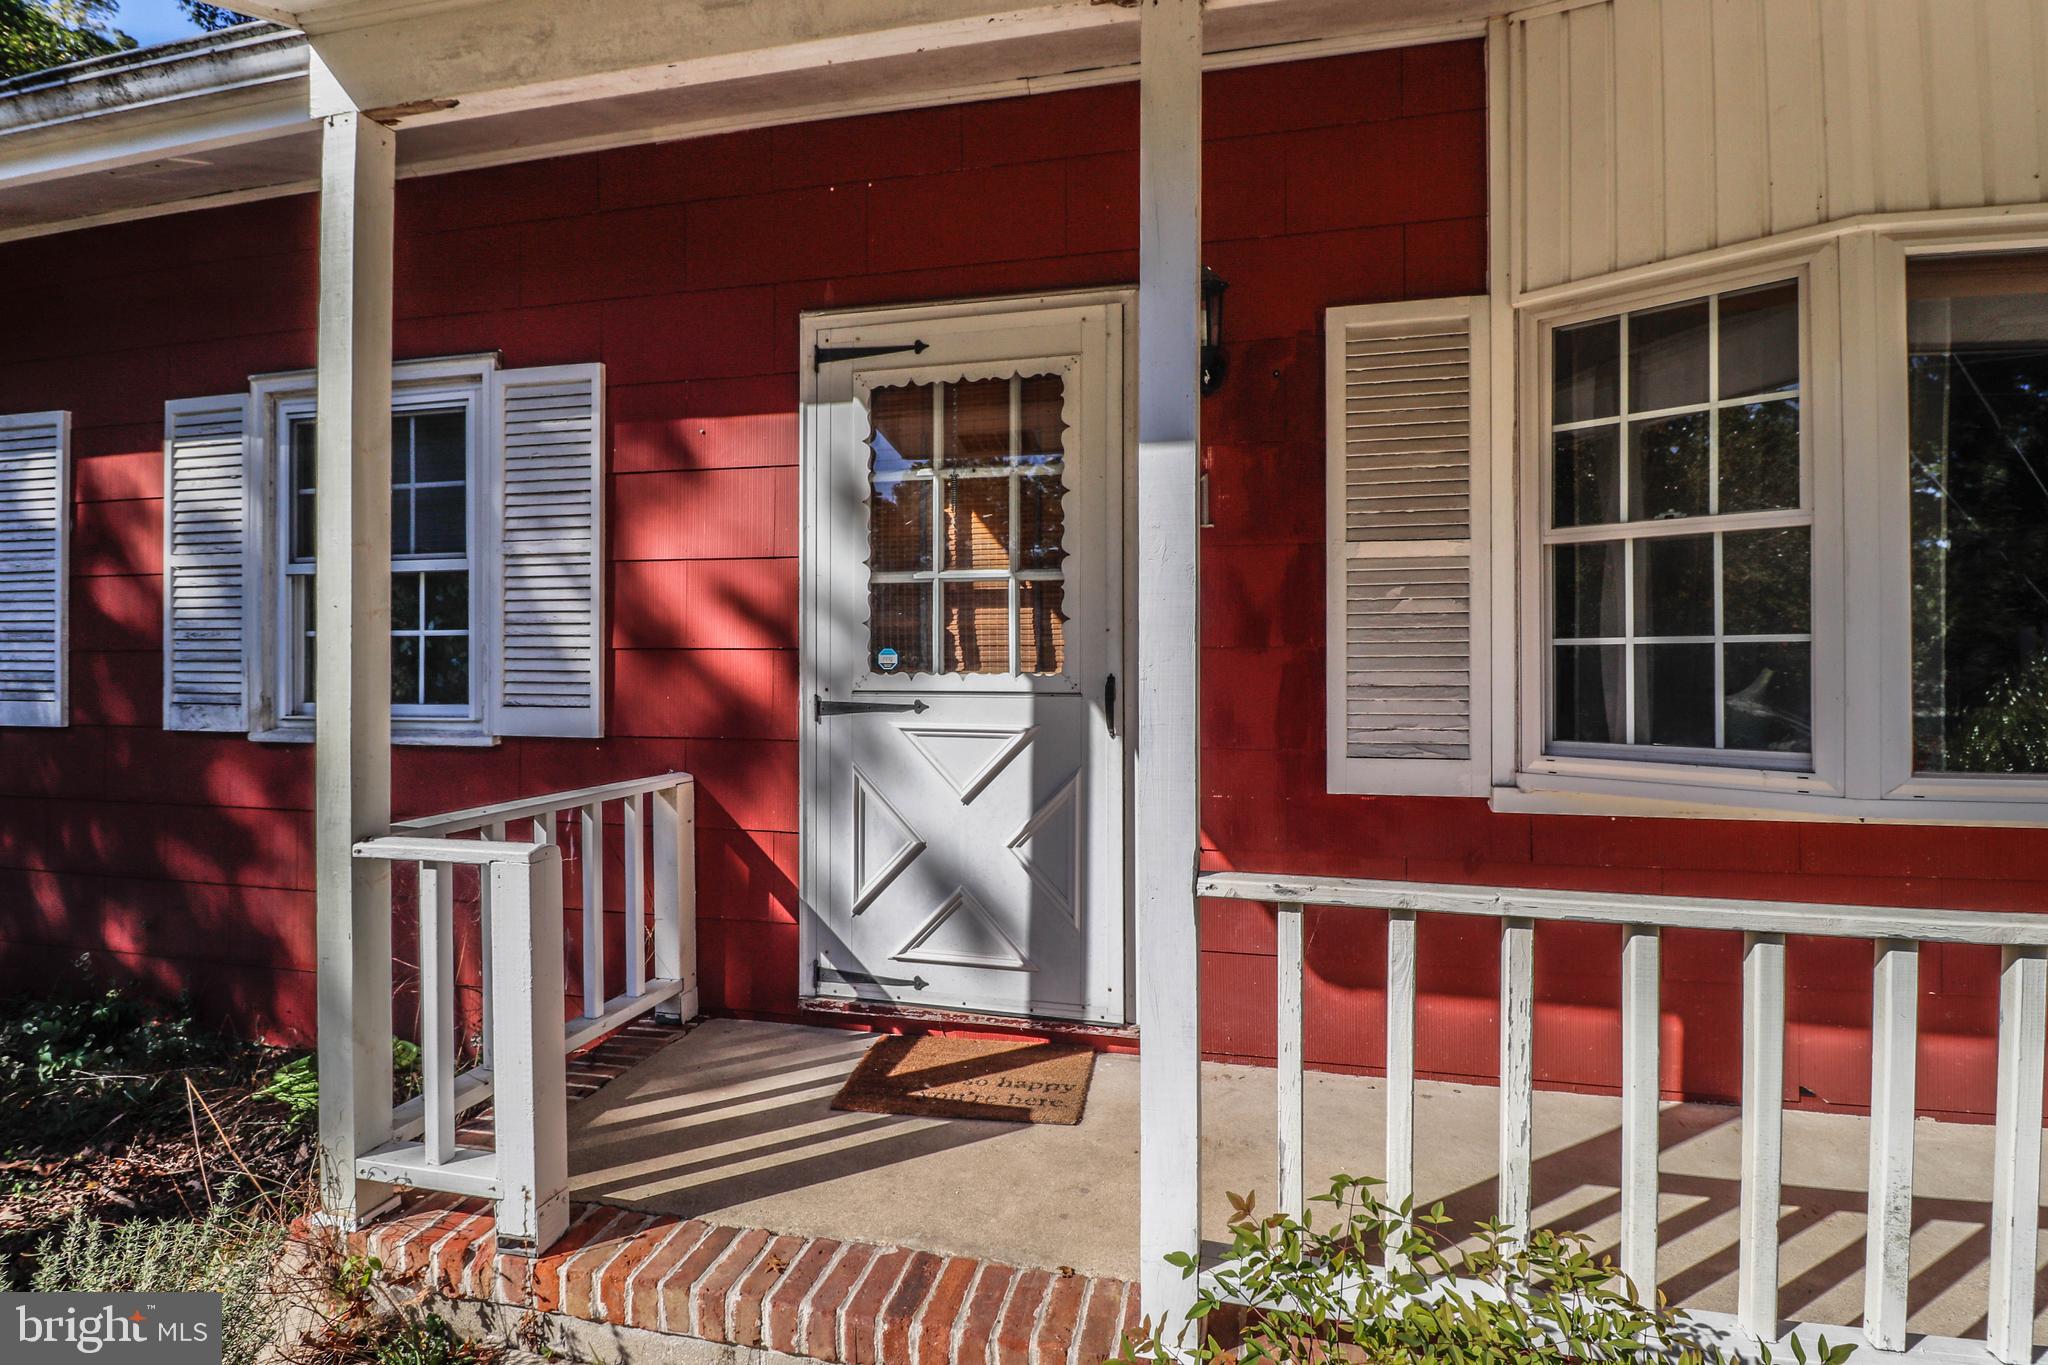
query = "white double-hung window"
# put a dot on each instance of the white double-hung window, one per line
(1677, 534)
(497, 555)
(434, 545)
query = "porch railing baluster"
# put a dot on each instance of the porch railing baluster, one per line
(1400, 1160)
(593, 910)
(2016, 1164)
(636, 894)
(496, 832)
(437, 1010)
(675, 891)
(1641, 1030)
(1894, 1038)
(1288, 1066)
(1517, 1070)
(1763, 1103)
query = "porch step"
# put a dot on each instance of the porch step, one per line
(814, 1298)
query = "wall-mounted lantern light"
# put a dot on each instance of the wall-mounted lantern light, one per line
(1215, 364)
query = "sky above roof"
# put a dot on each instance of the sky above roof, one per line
(150, 22)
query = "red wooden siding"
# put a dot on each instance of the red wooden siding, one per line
(184, 860)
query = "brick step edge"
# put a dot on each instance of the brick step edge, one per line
(854, 1303)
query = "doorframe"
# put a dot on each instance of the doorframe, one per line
(813, 446)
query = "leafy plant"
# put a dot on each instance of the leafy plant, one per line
(374, 1325)
(1375, 1285)
(86, 1057)
(296, 1085)
(226, 1252)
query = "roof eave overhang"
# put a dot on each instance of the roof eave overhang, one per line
(475, 94)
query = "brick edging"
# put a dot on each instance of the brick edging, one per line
(850, 1303)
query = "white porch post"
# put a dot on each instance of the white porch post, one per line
(1165, 786)
(352, 624)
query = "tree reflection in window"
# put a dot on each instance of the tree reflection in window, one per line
(1978, 377)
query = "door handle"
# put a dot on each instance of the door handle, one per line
(1109, 703)
(849, 708)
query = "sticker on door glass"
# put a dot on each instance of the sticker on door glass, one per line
(886, 660)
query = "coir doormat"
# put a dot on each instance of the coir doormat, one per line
(1013, 1079)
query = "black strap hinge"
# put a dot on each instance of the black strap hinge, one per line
(821, 356)
(916, 983)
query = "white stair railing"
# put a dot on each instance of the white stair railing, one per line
(1896, 936)
(525, 1039)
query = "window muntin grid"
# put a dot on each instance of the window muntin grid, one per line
(1677, 456)
(966, 527)
(432, 663)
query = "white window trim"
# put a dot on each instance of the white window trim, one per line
(1854, 397)
(273, 649)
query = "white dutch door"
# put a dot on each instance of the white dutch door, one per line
(963, 776)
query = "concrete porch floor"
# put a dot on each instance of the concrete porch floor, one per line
(732, 1124)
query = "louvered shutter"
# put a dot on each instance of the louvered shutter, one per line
(1407, 547)
(549, 479)
(206, 575)
(35, 568)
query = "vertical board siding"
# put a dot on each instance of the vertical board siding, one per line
(1657, 128)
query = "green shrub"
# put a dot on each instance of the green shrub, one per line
(225, 1252)
(1321, 1294)
(296, 1085)
(73, 1062)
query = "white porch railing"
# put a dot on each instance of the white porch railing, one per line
(524, 1038)
(1896, 936)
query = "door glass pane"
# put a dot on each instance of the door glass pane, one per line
(900, 627)
(977, 523)
(1042, 417)
(977, 423)
(900, 526)
(1042, 522)
(1041, 626)
(976, 627)
(902, 436)
(1977, 331)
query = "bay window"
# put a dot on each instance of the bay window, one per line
(1783, 537)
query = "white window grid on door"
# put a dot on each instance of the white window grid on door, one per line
(1631, 533)
(297, 571)
(936, 476)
